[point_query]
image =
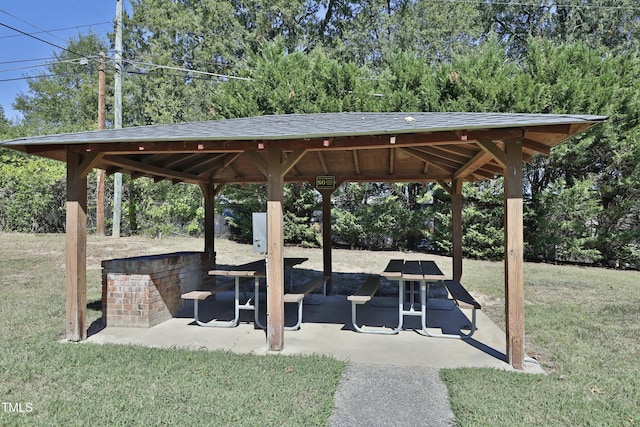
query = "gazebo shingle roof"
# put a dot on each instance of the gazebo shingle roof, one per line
(412, 146)
(295, 126)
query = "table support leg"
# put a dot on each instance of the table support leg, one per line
(423, 301)
(217, 323)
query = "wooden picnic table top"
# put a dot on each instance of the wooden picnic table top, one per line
(253, 268)
(431, 271)
(394, 268)
(413, 270)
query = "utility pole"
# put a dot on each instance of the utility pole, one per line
(101, 125)
(117, 120)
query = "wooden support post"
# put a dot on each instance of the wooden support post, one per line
(326, 236)
(275, 259)
(208, 193)
(275, 276)
(76, 246)
(514, 254)
(456, 224)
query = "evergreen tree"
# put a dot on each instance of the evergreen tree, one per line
(66, 98)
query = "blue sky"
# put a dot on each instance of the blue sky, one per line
(61, 19)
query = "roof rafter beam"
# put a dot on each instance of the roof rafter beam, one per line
(434, 158)
(356, 162)
(494, 151)
(177, 160)
(136, 166)
(230, 158)
(291, 160)
(420, 155)
(473, 164)
(202, 163)
(323, 163)
(258, 162)
(536, 146)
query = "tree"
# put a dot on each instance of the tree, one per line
(296, 22)
(373, 29)
(165, 37)
(301, 201)
(5, 125)
(281, 83)
(565, 226)
(601, 24)
(32, 194)
(65, 99)
(485, 80)
(574, 78)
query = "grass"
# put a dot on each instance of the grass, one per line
(582, 325)
(79, 384)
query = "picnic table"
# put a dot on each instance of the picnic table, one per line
(425, 273)
(255, 270)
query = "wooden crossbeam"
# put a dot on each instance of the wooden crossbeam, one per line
(494, 151)
(88, 163)
(475, 163)
(133, 165)
(356, 162)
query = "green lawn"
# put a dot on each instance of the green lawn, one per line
(581, 323)
(66, 384)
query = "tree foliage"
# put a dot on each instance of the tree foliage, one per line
(66, 98)
(281, 83)
(246, 58)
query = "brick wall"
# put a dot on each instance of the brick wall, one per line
(144, 291)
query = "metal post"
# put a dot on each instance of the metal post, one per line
(101, 125)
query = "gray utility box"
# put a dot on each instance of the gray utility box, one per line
(260, 232)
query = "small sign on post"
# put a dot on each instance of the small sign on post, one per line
(326, 182)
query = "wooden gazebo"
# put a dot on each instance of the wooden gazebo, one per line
(448, 148)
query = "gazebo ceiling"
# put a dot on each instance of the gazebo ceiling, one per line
(394, 147)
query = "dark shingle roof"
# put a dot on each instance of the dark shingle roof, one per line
(300, 126)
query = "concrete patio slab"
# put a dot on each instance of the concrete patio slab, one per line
(327, 330)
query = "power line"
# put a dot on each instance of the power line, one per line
(42, 76)
(136, 64)
(30, 24)
(168, 67)
(25, 60)
(38, 38)
(58, 29)
(81, 61)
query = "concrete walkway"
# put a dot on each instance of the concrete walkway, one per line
(390, 379)
(393, 396)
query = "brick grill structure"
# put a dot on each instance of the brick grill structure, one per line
(144, 291)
